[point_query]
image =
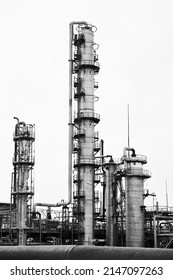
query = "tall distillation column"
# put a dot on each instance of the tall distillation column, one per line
(22, 189)
(134, 196)
(85, 67)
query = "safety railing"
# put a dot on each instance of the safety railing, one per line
(78, 194)
(96, 194)
(111, 160)
(78, 92)
(159, 209)
(89, 62)
(139, 158)
(77, 82)
(86, 161)
(97, 211)
(96, 135)
(138, 172)
(85, 64)
(22, 190)
(19, 159)
(87, 115)
(96, 146)
(97, 178)
(77, 56)
(75, 147)
(96, 84)
(25, 131)
(78, 133)
(75, 178)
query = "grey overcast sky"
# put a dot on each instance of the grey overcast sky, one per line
(135, 40)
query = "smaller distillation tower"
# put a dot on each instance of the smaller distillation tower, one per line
(22, 188)
(134, 195)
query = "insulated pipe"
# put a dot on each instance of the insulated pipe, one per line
(73, 252)
(70, 145)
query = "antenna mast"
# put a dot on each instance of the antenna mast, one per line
(166, 196)
(128, 130)
(128, 126)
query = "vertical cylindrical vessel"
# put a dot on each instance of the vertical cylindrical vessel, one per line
(22, 189)
(134, 190)
(110, 211)
(85, 119)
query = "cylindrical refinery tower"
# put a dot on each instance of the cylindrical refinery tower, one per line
(85, 67)
(134, 196)
(22, 189)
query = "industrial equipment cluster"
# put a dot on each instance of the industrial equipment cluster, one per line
(106, 196)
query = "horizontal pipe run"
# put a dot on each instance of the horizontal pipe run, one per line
(73, 252)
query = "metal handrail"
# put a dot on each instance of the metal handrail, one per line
(117, 161)
(86, 161)
(96, 177)
(96, 145)
(87, 115)
(140, 157)
(90, 62)
(159, 209)
(80, 193)
(137, 171)
(96, 134)
(75, 146)
(21, 134)
(97, 210)
(96, 194)
(79, 132)
(96, 84)
(30, 159)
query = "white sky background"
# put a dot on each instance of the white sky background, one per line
(136, 68)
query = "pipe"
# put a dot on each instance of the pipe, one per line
(16, 119)
(104, 174)
(129, 149)
(70, 147)
(74, 252)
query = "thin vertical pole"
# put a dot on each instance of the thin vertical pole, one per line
(166, 196)
(128, 125)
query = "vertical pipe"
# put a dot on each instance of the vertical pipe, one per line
(155, 232)
(70, 150)
(104, 174)
(110, 221)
